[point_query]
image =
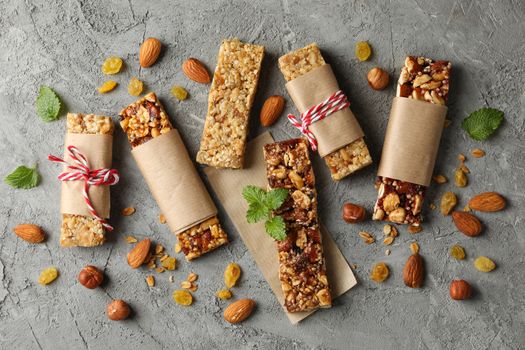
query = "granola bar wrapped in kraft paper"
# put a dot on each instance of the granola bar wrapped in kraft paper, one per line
(337, 134)
(171, 177)
(412, 140)
(228, 185)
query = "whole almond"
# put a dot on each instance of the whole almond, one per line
(487, 201)
(196, 71)
(414, 271)
(239, 311)
(139, 253)
(30, 233)
(149, 52)
(467, 223)
(271, 110)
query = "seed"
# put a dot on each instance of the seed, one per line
(478, 153)
(128, 211)
(414, 247)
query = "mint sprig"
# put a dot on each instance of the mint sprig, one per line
(482, 123)
(23, 177)
(47, 104)
(261, 205)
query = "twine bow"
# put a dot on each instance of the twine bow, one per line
(80, 171)
(332, 104)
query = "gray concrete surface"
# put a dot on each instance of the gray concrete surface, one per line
(63, 43)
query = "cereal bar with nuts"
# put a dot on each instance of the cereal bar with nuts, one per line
(426, 80)
(302, 269)
(80, 230)
(144, 121)
(230, 100)
(349, 158)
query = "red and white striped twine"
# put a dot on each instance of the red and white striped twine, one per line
(80, 171)
(332, 104)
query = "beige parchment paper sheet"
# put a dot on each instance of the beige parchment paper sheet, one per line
(338, 129)
(412, 140)
(174, 182)
(228, 185)
(98, 151)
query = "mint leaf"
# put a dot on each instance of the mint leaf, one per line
(482, 123)
(23, 177)
(275, 198)
(257, 209)
(47, 104)
(256, 213)
(276, 228)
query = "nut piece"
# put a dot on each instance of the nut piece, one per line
(139, 253)
(150, 280)
(414, 247)
(488, 201)
(118, 310)
(90, 277)
(149, 52)
(467, 223)
(460, 290)
(478, 153)
(196, 71)
(414, 271)
(377, 78)
(271, 110)
(353, 213)
(239, 310)
(29, 233)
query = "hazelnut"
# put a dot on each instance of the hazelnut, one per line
(377, 78)
(353, 213)
(460, 290)
(118, 310)
(90, 277)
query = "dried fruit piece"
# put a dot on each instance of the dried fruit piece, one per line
(150, 280)
(170, 263)
(488, 201)
(448, 202)
(231, 274)
(457, 252)
(48, 275)
(440, 179)
(414, 247)
(128, 211)
(224, 294)
(467, 223)
(178, 248)
(183, 297)
(379, 272)
(29, 233)
(179, 92)
(460, 177)
(484, 264)
(107, 86)
(135, 87)
(363, 51)
(112, 65)
(460, 290)
(414, 271)
(239, 310)
(478, 153)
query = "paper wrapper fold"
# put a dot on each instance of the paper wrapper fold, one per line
(98, 151)
(338, 129)
(412, 140)
(228, 185)
(174, 182)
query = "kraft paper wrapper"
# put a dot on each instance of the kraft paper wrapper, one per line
(98, 151)
(412, 140)
(338, 129)
(174, 182)
(228, 185)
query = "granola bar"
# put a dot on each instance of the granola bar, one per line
(426, 80)
(302, 269)
(230, 100)
(144, 120)
(80, 230)
(349, 158)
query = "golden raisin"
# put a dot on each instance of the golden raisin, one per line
(224, 294)
(107, 86)
(170, 263)
(48, 275)
(231, 274)
(179, 92)
(379, 272)
(135, 87)
(183, 297)
(363, 51)
(448, 202)
(457, 252)
(112, 65)
(460, 178)
(484, 264)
